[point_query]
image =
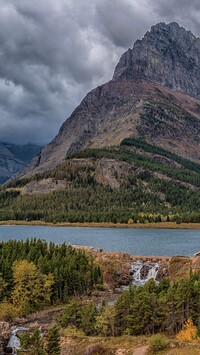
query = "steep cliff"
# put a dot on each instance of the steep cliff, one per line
(168, 55)
(153, 96)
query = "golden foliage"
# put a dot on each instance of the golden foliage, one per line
(188, 333)
(8, 311)
(130, 221)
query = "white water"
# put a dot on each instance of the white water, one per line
(14, 341)
(143, 272)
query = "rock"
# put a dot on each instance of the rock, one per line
(5, 333)
(169, 55)
(97, 349)
(1, 346)
(118, 290)
(146, 99)
(8, 350)
(162, 272)
(5, 329)
(145, 270)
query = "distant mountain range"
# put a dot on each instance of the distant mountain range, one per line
(14, 158)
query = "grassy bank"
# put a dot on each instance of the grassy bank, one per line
(124, 345)
(158, 225)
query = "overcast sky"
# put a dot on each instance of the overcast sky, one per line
(52, 52)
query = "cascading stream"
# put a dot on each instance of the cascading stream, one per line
(142, 272)
(14, 342)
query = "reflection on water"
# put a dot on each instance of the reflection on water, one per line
(161, 242)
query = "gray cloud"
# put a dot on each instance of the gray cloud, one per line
(186, 13)
(52, 52)
(176, 7)
(122, 22)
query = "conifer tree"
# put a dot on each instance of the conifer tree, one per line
(53, 341)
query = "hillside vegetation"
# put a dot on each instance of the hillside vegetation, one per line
(35, 275)
(136, 182)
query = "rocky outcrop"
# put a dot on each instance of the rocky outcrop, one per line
(43, 186)
(168, 55)
(5, 332)
(154, 96)
(115, 268)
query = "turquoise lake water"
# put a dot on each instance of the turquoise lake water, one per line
(161, 242)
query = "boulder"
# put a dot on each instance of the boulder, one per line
(5, 330)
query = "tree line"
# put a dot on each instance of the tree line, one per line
(172, 196)
(147, 309)
(35, 274)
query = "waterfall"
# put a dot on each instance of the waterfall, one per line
(152, 273)
(14, 342)
(142, 272)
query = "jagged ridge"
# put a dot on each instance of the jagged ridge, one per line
(147, 99)
(168, 55)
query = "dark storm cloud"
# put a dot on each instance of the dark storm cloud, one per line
(186, 13)
(49, 58)
(122, 22)
(53, 51)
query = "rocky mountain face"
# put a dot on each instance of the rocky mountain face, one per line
(168, 55)
(14, 158)
(154, 96)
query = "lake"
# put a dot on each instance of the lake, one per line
(161, 242)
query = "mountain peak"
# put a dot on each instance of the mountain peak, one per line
(167, 54)
(146, 100)
(172, 26)
(171, 30)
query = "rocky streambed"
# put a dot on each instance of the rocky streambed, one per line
(5, 333)
(122, 269)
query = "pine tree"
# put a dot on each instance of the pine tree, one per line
(53, 341)
(105, 321)
(32, 343)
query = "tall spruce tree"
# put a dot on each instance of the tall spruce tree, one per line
(53, 341)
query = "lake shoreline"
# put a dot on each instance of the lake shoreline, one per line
(153, 225)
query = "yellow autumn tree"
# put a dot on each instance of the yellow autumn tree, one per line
(32, 289)
(130, 221)
(188, 333)
(8, 311)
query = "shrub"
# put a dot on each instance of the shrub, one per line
(72, 331)
(7, 311)
(100, 287)
(157, 343)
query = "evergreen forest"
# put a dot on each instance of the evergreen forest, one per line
(147, 309)
(35, 275)
(138, 182)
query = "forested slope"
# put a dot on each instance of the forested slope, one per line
(134, 182)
